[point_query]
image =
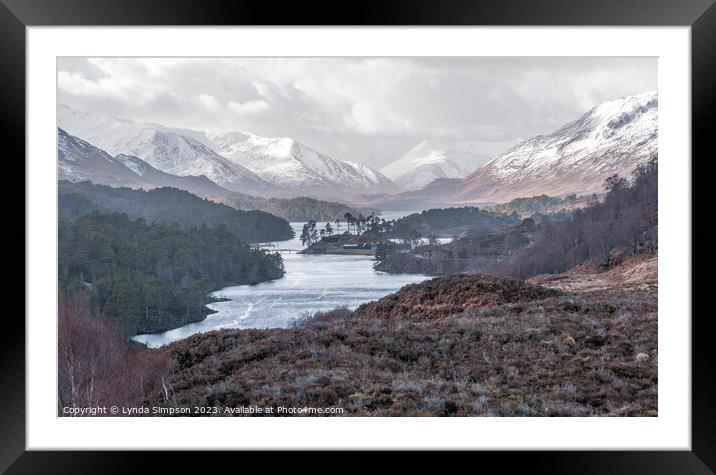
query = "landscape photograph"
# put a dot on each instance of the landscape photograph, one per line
(357, 236)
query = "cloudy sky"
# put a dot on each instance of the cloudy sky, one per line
(370, 110)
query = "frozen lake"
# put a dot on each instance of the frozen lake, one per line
(311, 283)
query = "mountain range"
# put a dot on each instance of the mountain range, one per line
(613, 137)
(236, 161)
(297, 168)
(79, 160)
(173, 151)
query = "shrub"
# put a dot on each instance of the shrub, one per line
(96, 366)
(308, 318)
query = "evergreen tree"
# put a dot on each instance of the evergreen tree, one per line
(149, 277)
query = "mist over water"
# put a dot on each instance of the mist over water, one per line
(311, 283)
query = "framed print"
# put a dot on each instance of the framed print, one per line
(424, 227)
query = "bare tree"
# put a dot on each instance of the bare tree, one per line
(96, 366)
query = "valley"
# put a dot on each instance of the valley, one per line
(230, 268)
(311, 283)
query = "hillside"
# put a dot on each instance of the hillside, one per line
(476, 346)
(485, 253)
(78, 160)
(169, 205)
(451, 295)
(297, 209)
(153, 277)
(543, 204)
(584, 232)
(612, 138)
(625, 221)
(625, 273)
(448, 222)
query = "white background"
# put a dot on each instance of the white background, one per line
(670, 430)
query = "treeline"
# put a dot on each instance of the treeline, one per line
(149, 277)
(539, 204)
(169, 205)
(293, 209)
(626, 219)
(449, 221)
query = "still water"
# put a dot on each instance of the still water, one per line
(311, 283)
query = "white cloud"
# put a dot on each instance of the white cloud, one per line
(76, 84)
(209, 102)
(249, 107)
(261, 88)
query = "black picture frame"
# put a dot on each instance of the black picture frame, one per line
(16, 15)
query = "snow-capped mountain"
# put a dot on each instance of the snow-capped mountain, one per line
(174, 151)
(237, 161)
(294, 166)
(79, 160)
(612, 138)
(429, 161)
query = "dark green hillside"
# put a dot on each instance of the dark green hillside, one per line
(451, 221)
(300, 208)
(169, 205)
(154, 277)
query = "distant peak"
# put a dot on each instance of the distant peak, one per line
(646, 99)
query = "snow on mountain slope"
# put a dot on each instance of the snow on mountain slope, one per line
(613, 137)
(374, 177)
(436, 159)
(198, 185)
(427, 162)
(79, 160)
(174, 151)
(292, 165)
